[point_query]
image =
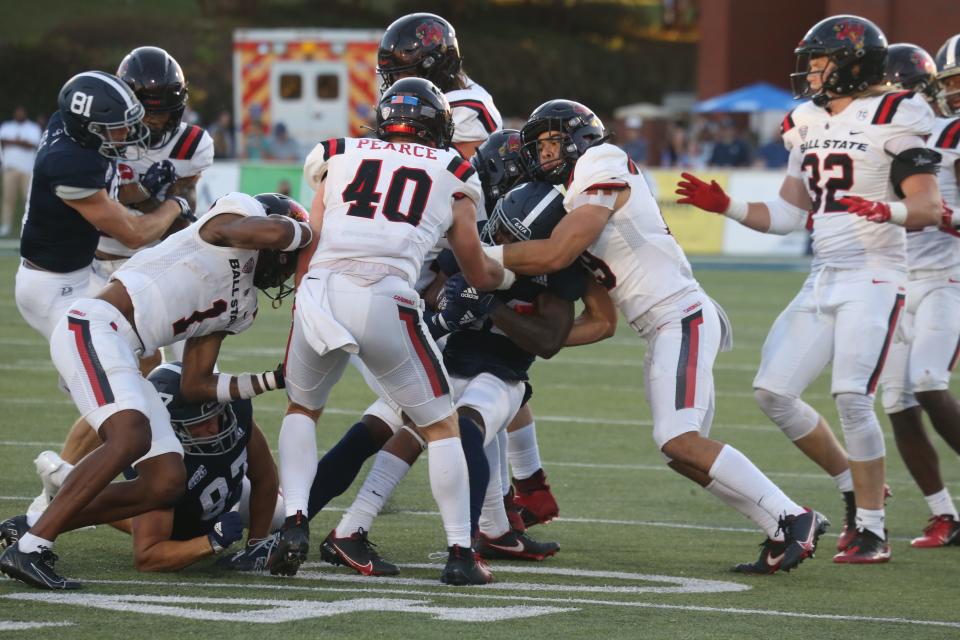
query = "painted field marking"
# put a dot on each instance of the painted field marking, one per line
(13, 625)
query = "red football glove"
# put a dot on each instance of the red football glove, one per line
(872, 211)
(946, 221)
(709, 197)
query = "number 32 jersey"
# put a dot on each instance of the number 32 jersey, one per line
(850, 154)
(386, 203)
(186, 287)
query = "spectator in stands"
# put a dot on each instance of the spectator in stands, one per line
(632, 141)
(284, 188)
(772, 155)
(730, 150)
(222, 133)
(675, 154)
(19, 139)
(257, 144)
(282, 146)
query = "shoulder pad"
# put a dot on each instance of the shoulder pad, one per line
(950, 136)
(461, 168)
(315, 166)
(905, 111)
(602, 167)
(787, 123)
(186, 145)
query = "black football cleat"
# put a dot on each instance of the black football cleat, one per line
(866, 548)
(11, 530)
(464, 568)
(291, 550)
(849, 530)
(357, 552)
(800, 535)
(35, 569)
(771, 557)
(515, 545)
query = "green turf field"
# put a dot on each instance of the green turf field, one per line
(644, 552)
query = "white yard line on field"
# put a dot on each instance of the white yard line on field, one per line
(484, 593)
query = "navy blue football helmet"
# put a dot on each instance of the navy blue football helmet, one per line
(573, 125)
(183, 414)
(499, 165)
(529, 211)
(101, 112)
(158, 83)
(415, 107)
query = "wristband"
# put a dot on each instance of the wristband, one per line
(737, 210)
(297, 235)
(509, 277)
(245, 386)
(898, 213)
(185, 209)
(495, 253)
(223, 387)
(268, 381)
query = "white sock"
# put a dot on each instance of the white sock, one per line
(941, 504)
(746, 507)
(523, 451)
(844, 481)
(493, 516)
(502, 446)
(735, 470)
(387, 472)
(298, 461)
(30, 543)
(871, 519)
(451, 488)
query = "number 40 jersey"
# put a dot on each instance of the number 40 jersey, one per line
(851, 153)
(386, 202)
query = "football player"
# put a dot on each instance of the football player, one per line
(232, 484)
(384, 202)
(916, 376)
(489, 372)
(175, 155)
(614, 227)
(855, 148)
(200, 284)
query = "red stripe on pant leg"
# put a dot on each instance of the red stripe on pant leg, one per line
(78, 328)
(692, 358)
(411, 321)
(891, 327)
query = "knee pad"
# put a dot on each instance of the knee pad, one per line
(861, 429)
(794, 416)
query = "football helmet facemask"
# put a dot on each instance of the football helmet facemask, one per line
(499, 165)
(529, 211)
(183, 415)
(948, 68)
(158, 83)
(571, 125)
(415, 107)
(856, 47)
(420, 45)
(275, 267)
(100, 112)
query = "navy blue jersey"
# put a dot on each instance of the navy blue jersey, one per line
(214, 483)
(55, 236)
(484, 348)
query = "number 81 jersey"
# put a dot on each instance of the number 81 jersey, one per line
(850, 154)
(386, 202)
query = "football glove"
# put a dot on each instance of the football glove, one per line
(462, 304)
(872, 211)
(158, 176)
(709, 197)
(226, 530)
(253, 557)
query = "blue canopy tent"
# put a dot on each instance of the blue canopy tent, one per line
(761, 96)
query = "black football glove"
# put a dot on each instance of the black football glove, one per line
(226, 530)
(253, 557)
(159, 175)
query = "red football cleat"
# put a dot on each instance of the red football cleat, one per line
(940, 531)
(849, 530)
(536, 502)
(514, 512)
(865, 548)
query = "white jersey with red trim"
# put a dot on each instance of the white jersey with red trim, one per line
(932, 248)
(190, 149)
(474, 115)
(635, 257)
(847, 154)
(186, 287)
(386, 203)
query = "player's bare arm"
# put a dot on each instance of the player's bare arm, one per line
(153, 550)
(316, 224)
(264, 484)
(468, 147)
(923, 201)
(200, 383)
(479, 270)
(186, 188)
(112, 218)
(543, 332)
(244, 232)
(597, 321)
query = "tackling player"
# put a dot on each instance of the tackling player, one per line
(200, 284)
(854, 149)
